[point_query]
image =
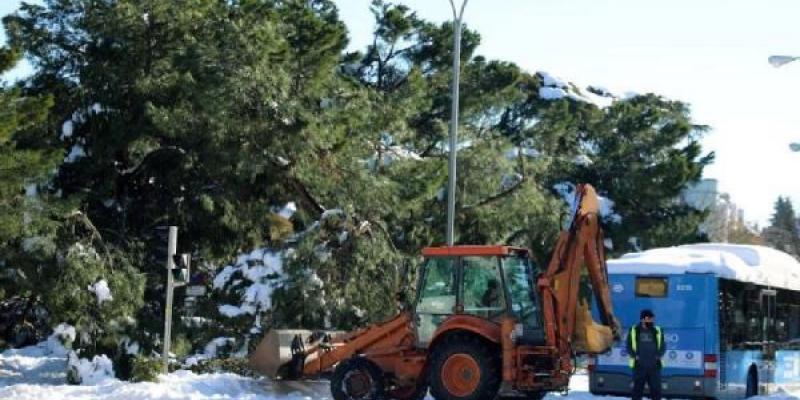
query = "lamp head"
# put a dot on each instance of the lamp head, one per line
(777, 61)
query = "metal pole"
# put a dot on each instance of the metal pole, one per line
(172, 245)
(451, 184)
(777, 62)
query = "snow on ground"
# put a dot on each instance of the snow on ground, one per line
(175, 386)
(36, 372)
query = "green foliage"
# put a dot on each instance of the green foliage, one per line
(22, 166)
(280, 229)
(231, 365)
(181, 346)
(782, 233)
(212, 115)
(146, 369)
(641, 152)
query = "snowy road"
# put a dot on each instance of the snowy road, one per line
(33, 373)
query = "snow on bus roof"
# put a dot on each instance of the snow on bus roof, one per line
(745, 263)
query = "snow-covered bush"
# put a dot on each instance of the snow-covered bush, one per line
(89, 372)
(61, 340)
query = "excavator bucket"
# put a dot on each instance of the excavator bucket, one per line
(589, 336)
(275, 351)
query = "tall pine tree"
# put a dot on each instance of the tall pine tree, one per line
(23, 209)
(782, 233)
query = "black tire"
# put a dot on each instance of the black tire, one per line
(752, 384)
(357, 379)
(471, 354)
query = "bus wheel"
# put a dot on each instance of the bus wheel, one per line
(465, 368)
(752, 384)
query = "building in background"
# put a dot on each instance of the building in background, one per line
(725, 222)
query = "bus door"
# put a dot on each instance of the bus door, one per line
(768, 309)
(767, 299)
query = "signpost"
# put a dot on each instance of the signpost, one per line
(190, 301)
(196, 290)
(172, 244)
(177, 275)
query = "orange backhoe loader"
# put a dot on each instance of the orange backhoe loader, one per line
(486, 321)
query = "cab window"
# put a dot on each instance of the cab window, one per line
(519, 281)
(482, 287)
(437, 297)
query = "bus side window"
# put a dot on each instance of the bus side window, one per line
(738, 317)
(742, 316)
(794, 321)
(782, 317)
(733, 318)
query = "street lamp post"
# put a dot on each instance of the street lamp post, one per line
(451, 184)
(777, 62)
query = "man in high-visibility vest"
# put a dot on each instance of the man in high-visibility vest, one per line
(646, 347)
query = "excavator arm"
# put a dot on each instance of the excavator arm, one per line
(569, 326)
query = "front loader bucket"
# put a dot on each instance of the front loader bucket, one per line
(275, 351)
(590, 337)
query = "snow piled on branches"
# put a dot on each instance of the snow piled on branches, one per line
(554, 88)
(101, 290)
(261, 271)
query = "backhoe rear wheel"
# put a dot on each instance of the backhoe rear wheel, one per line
(357, 379)
(464, 367)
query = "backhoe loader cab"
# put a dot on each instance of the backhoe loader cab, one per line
(488, 282)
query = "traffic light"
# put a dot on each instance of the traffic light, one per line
(180, 268)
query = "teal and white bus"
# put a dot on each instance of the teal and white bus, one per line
(730, 313)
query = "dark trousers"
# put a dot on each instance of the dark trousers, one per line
(651, 375)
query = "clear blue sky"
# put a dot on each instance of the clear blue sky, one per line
(710, 53)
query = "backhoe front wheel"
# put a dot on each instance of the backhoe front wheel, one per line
(357, 379)
(464, 367)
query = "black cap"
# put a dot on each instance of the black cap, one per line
(646, 313)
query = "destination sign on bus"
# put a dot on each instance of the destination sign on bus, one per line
(651, 287)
